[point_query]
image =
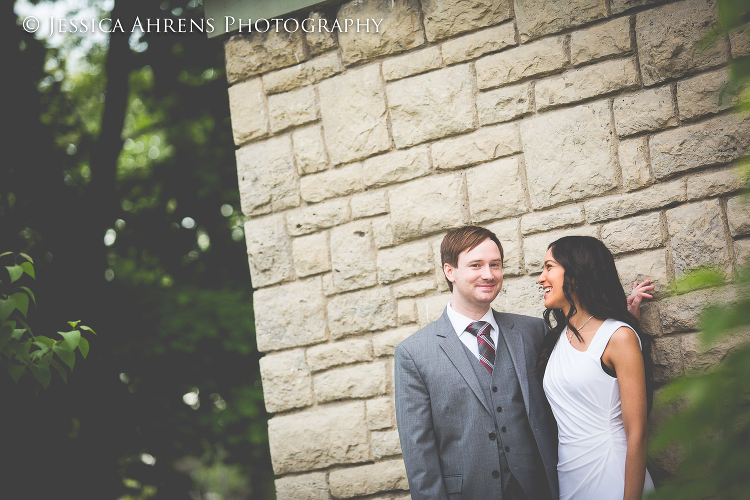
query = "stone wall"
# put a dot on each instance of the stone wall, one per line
(536, 118)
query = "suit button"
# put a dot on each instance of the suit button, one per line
(503, 428)
(507, 448)
(499, 409)
(494, 388)
(492, 436)
(495, 474)
(506, 469)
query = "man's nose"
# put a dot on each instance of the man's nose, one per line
(487, 273)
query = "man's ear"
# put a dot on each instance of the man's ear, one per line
(448, 271)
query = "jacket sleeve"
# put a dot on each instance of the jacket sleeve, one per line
(415, 429)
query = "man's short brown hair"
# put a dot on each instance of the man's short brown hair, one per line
(461, 239)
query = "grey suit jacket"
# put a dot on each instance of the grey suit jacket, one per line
(443, 416)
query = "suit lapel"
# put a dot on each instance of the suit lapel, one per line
(514, 341)
(453, 348)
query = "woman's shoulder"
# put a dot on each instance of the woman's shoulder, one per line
(622, 335)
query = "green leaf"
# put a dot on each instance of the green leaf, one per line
(68, 357)
(83, 346)
(41, 373)
(15, 272)
(60, 369)
(73, 324)
(25, 256)
(7, 306)
(702, 277)
(29, 293)
(71, 339)
(16, 371)
(5, 253)
(22, 302)
(84, 327)
(44, 340)
(28, 268)
(18, 333)
(6, 333)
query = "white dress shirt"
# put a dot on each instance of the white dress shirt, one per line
(460, 322)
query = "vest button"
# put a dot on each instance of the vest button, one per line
(507, 448)
(493, 436)
(494, 388)
(499, 409)
(504, 429)
(495, 474)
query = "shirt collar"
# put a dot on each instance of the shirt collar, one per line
(460, 322)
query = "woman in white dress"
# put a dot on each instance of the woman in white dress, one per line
(596, 366)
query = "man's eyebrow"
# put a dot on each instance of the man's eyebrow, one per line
(480, 260)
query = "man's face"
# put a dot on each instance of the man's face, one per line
(478, 276)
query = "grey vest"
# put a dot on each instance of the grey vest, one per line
(516, 445)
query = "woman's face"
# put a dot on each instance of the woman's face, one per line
(551, 280)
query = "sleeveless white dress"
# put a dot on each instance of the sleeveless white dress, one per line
(586, 403)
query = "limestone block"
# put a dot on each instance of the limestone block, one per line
(535, 246)
(385, 444)
(404, 261)
(368, 479)
(353, 256)
(568, 154)
(485, 144)
(307, 73)
(359, 381)
(305, 487)
(323, 356)
(703, 94)
(412, 63)
(407, 311)
(623, 5)
(362, 311)
(289, 315)
(318, 40)
(714, 183)
(430, 308)
(269, 251)
(292, 108)
(328, 287)
(311, 254)
(247, 106)
(321, 216)
(742, 251)
(354, 116)
(415, 288)
(636, 233)
(368, 204)
(382, 232)
(496, 190)
(590, 81)
(249, 55)
(615, 207)
(443, 18)
(396, 166)
(551, 219)
(634, 163)
(668, 38)
(739, 40)
(507, 232)
(650, 319)
(698, 357)
(520, 296)
(319, 438)
(738, 215)
(504, 104)
(385, 343)
(651, 109)
(718, 140)
(286, 381)
(399, 28)
(479, 43)
(642, 266)
(427, 205)
(267, 178)
(680, 313)
(380, 413)
(697, 237)
(602, 40)
(541, 17)
(309, 150)
(432, 105)
(527, 60)
(332, 183)
(667, 357)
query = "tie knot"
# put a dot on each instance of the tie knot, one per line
(478, 328)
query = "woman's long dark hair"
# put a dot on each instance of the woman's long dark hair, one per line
(590, 276)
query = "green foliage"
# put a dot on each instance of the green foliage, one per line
(20, 350)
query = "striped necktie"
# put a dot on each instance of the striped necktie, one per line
(481, 330)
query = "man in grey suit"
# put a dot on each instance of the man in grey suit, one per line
(473, 419)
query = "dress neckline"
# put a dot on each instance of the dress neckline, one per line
(565, 332)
